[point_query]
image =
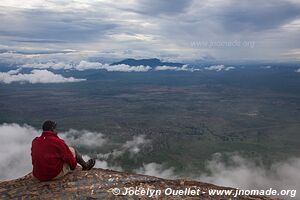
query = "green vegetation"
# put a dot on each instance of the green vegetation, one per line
(188, 116)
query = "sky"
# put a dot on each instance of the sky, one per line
(171, 30)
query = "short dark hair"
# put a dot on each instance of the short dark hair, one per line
(49, 125)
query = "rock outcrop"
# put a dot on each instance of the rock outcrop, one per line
(108, 184)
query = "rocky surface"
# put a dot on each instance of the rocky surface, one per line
(101, 184)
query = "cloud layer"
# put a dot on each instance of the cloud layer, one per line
(158, 170)
(243, 173)
(172, 68)
(133, 147)
(144, 28)
(40, 71)
(219, 68)
(35, 76)
(15, 144)
(84, 138)
(86, 65)
(234, 170)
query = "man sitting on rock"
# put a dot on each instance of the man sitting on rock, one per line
(52, 158)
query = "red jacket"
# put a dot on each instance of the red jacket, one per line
(48, 154)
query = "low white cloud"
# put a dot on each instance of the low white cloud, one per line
(35, 76)
(86, 65)
(158, 170)
(229, 68)
(172, 68)
(243, 173)
(84, 138)
(219, 68)
(215, 67)
(127, 68)
(164, 67)
(267, 67)
(133, 147)
(12, 72)
(83, 65)
(298, 70)
(234, 170)
(15, 160)
(52, 65)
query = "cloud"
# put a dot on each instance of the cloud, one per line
(298, 70)
(229, 68)
(172, 68)
(133, 147)
(266, 67)
(256, 16)
(127, 68)
(84, 138)
(25, 51)
(86, 65)
(36, 76)
(15, 145)
(152, 28)
(24, 54)
(37, 56)
(13, 72)
(164, 67)
(215, 68)
(219, 68)
(52, 65)
(234, 170)
(157, 7)
(158, 170)
(243, 173)
(47, 26)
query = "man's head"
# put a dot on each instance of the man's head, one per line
(49, 125)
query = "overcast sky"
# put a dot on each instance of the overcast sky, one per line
(174, 29)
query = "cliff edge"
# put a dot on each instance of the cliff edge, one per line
(108, 184)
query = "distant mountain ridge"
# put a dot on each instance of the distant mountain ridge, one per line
(152, 62)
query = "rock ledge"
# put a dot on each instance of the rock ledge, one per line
(101, 184)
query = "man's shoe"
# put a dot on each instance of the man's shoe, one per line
(85, 165)
(89, 164)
